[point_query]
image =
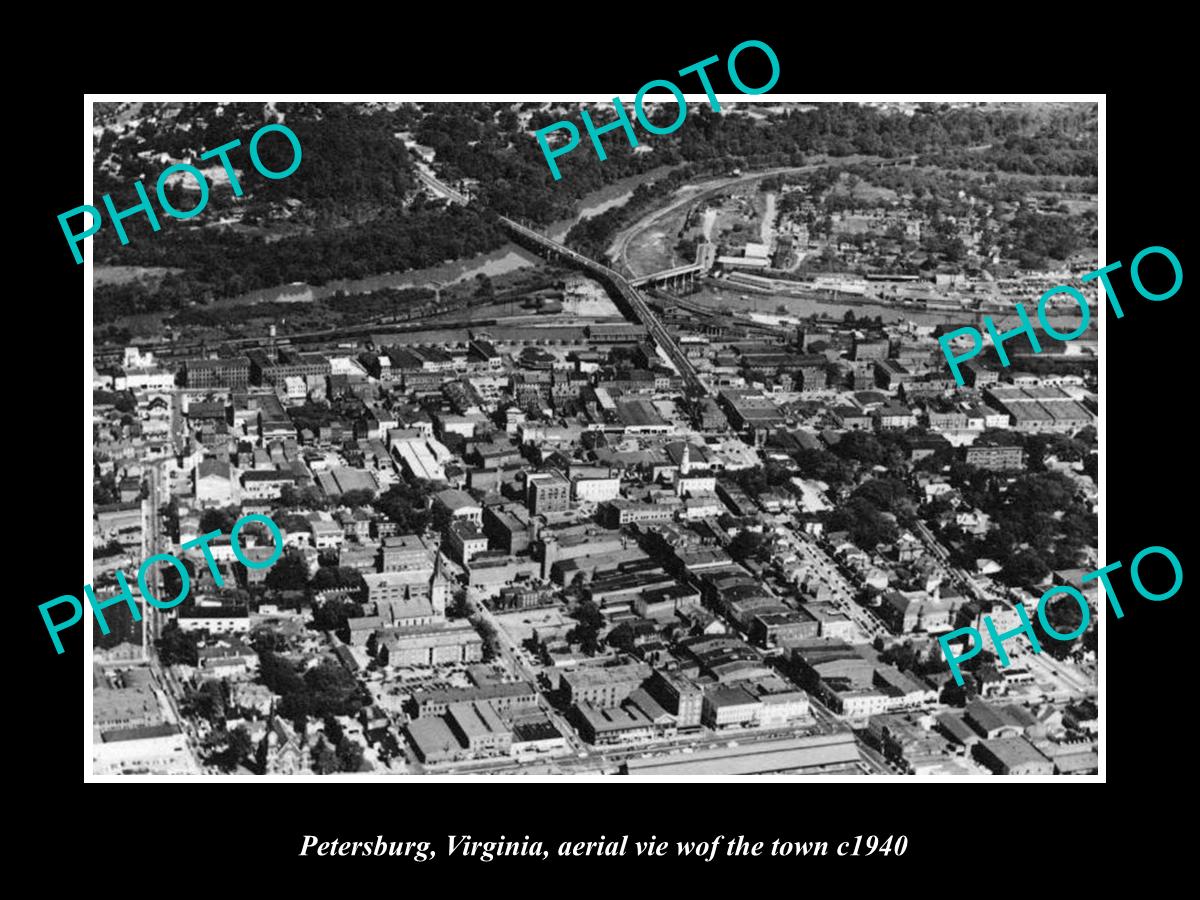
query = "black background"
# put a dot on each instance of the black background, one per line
(958, 832)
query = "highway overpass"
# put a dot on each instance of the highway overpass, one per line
(634, 305)
(623, 292)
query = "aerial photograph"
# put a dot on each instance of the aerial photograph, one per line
(656, 469)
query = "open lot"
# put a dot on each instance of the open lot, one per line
(519, 624)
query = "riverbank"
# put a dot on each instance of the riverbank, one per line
(507, 258)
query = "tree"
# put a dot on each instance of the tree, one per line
(289, 521)
(589, 614)
(458, 608)
(308, 497)
(859, 446)
(240, 746)
(332, 690)
(349, 755)
(823, 466)
(260, 756)
(888, 494)
(333, 729)
(209, 702)
(172, 581)
(1091, 467)
(1025, 568)
(404, 504)
(746, 545)
(268, 639)
(176, 646)
(491, 639)
(278, 674)
(866, 525)
(333, 615)
(902, 656)
(324, 759)
(440, 518)
(752, 480)
(328, 577)
(622, 637)
(686, 248)
(112, 548)
(587, 632)
(289, 573)
(221, 520)
(356, 498)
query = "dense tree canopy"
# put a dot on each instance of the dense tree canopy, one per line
(405, 504)
(289, 573)
(176, 646)
(325, 689)
(356, 189)
(867, 526)
(747, 545)
(587, 632)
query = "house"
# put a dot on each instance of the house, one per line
(217, 619)
(908, 548)
(327, 535)
(228, 659)
(896, 416)
(852, 418)
(248, 696)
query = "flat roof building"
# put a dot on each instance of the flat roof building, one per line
(479, 728)
(1012, 756)
(612, 724)
(604, 686)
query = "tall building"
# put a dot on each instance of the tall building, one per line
(232, 372)
(411, 597)
(403, 553)
(679, 695)
(604, 686)
(547, 492)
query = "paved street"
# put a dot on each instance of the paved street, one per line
(842, 590)
(514, 658)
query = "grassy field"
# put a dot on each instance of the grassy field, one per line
(654, 249)
(126, 274)
(862, 190)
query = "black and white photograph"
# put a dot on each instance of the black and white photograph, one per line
(682, 437)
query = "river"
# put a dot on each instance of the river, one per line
(507, 258)
(601, 201)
